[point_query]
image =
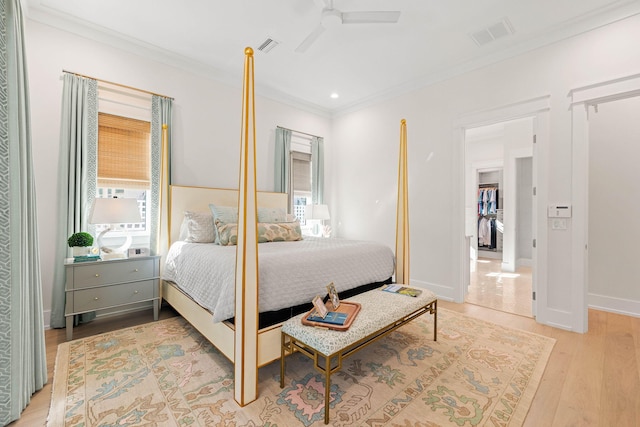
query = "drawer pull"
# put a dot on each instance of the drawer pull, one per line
(135, 292)
(95, 298)
(136, 270)
(97, 275)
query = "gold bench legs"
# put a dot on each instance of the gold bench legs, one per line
(289, 344)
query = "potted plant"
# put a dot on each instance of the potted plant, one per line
(80, 243)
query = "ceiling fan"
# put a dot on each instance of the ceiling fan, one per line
(333, 17)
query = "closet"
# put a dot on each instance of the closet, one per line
(490, 213)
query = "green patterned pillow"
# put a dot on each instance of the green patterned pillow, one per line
(267, 232)
(227, 233)
(279, 232)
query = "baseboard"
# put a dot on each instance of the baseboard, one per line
(614, 305)
(524, 262)
(145, 305)
(442, 292)
(558, 319)
(46, 317)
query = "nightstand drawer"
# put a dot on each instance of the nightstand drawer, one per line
(109, 296)
(97, 274)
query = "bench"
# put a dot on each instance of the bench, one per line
(381, 313)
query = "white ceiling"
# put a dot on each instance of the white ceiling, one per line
(360, 62)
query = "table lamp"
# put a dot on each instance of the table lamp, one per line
(114, 212)
(318, 213)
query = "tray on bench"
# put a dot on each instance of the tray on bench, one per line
(351, 308)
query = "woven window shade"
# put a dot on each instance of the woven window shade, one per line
(123, 152)
(301, 167)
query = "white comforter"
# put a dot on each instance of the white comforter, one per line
(291, 273)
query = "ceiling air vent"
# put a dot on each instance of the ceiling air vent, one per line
(267, 45)
(492, 32)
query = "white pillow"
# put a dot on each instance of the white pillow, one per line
(199, 227)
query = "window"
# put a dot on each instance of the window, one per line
(299, 169)
(300, 174)
(124, 163)
(301, 183)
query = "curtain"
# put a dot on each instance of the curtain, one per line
(77, 179)
(283, 149)
(23, 365)
(282, 162)
(317, 170)
(161, 108)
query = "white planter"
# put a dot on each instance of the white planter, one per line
(80, 250)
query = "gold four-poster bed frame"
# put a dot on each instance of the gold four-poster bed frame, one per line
(243, 343)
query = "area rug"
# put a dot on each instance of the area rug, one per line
(166, 374)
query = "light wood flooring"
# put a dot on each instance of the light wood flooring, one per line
(491, 287)
(591, 379)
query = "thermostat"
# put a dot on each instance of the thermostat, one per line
(559, 211)
(135, 252)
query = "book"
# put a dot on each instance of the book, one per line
(404, 290)
(85, 258)
(332, 317)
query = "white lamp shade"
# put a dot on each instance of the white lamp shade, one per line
(316, 212)
(114, 211)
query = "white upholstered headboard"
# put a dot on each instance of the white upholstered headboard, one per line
(197, 199)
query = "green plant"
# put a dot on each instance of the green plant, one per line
(80, 239)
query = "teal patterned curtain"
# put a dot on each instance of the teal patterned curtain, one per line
(77, 179)
(161, 108)
(317, 170)
(23, 364)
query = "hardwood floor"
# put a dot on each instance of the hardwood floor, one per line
(591, 379)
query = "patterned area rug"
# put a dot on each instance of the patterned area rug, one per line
(166, 374)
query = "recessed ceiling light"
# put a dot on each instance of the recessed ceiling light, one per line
(335, 95)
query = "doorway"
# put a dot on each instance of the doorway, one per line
(613, 205)
(498, 195)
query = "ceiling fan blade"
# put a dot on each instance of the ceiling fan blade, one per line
(310, 39)
(371, 17)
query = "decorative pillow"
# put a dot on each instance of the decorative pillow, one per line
(267, 232)
(279, 232)
(291, 218)
(199, 227)
(272, 215)
(228, 215)
(227, 233)
(184, 230)
(223, 215)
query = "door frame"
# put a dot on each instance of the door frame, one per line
(538, 108)
(581, 99)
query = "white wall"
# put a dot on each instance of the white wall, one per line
(366, 148)
(361, 147)
(614, 203)
(206, 131)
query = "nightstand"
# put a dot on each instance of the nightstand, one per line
(97, 285)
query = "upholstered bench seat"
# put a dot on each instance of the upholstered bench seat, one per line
(380, 313)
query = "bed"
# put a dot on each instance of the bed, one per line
(291, 272)
(242, 341)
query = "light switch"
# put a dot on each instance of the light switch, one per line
(559, 224)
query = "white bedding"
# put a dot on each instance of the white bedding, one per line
(291, 273)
